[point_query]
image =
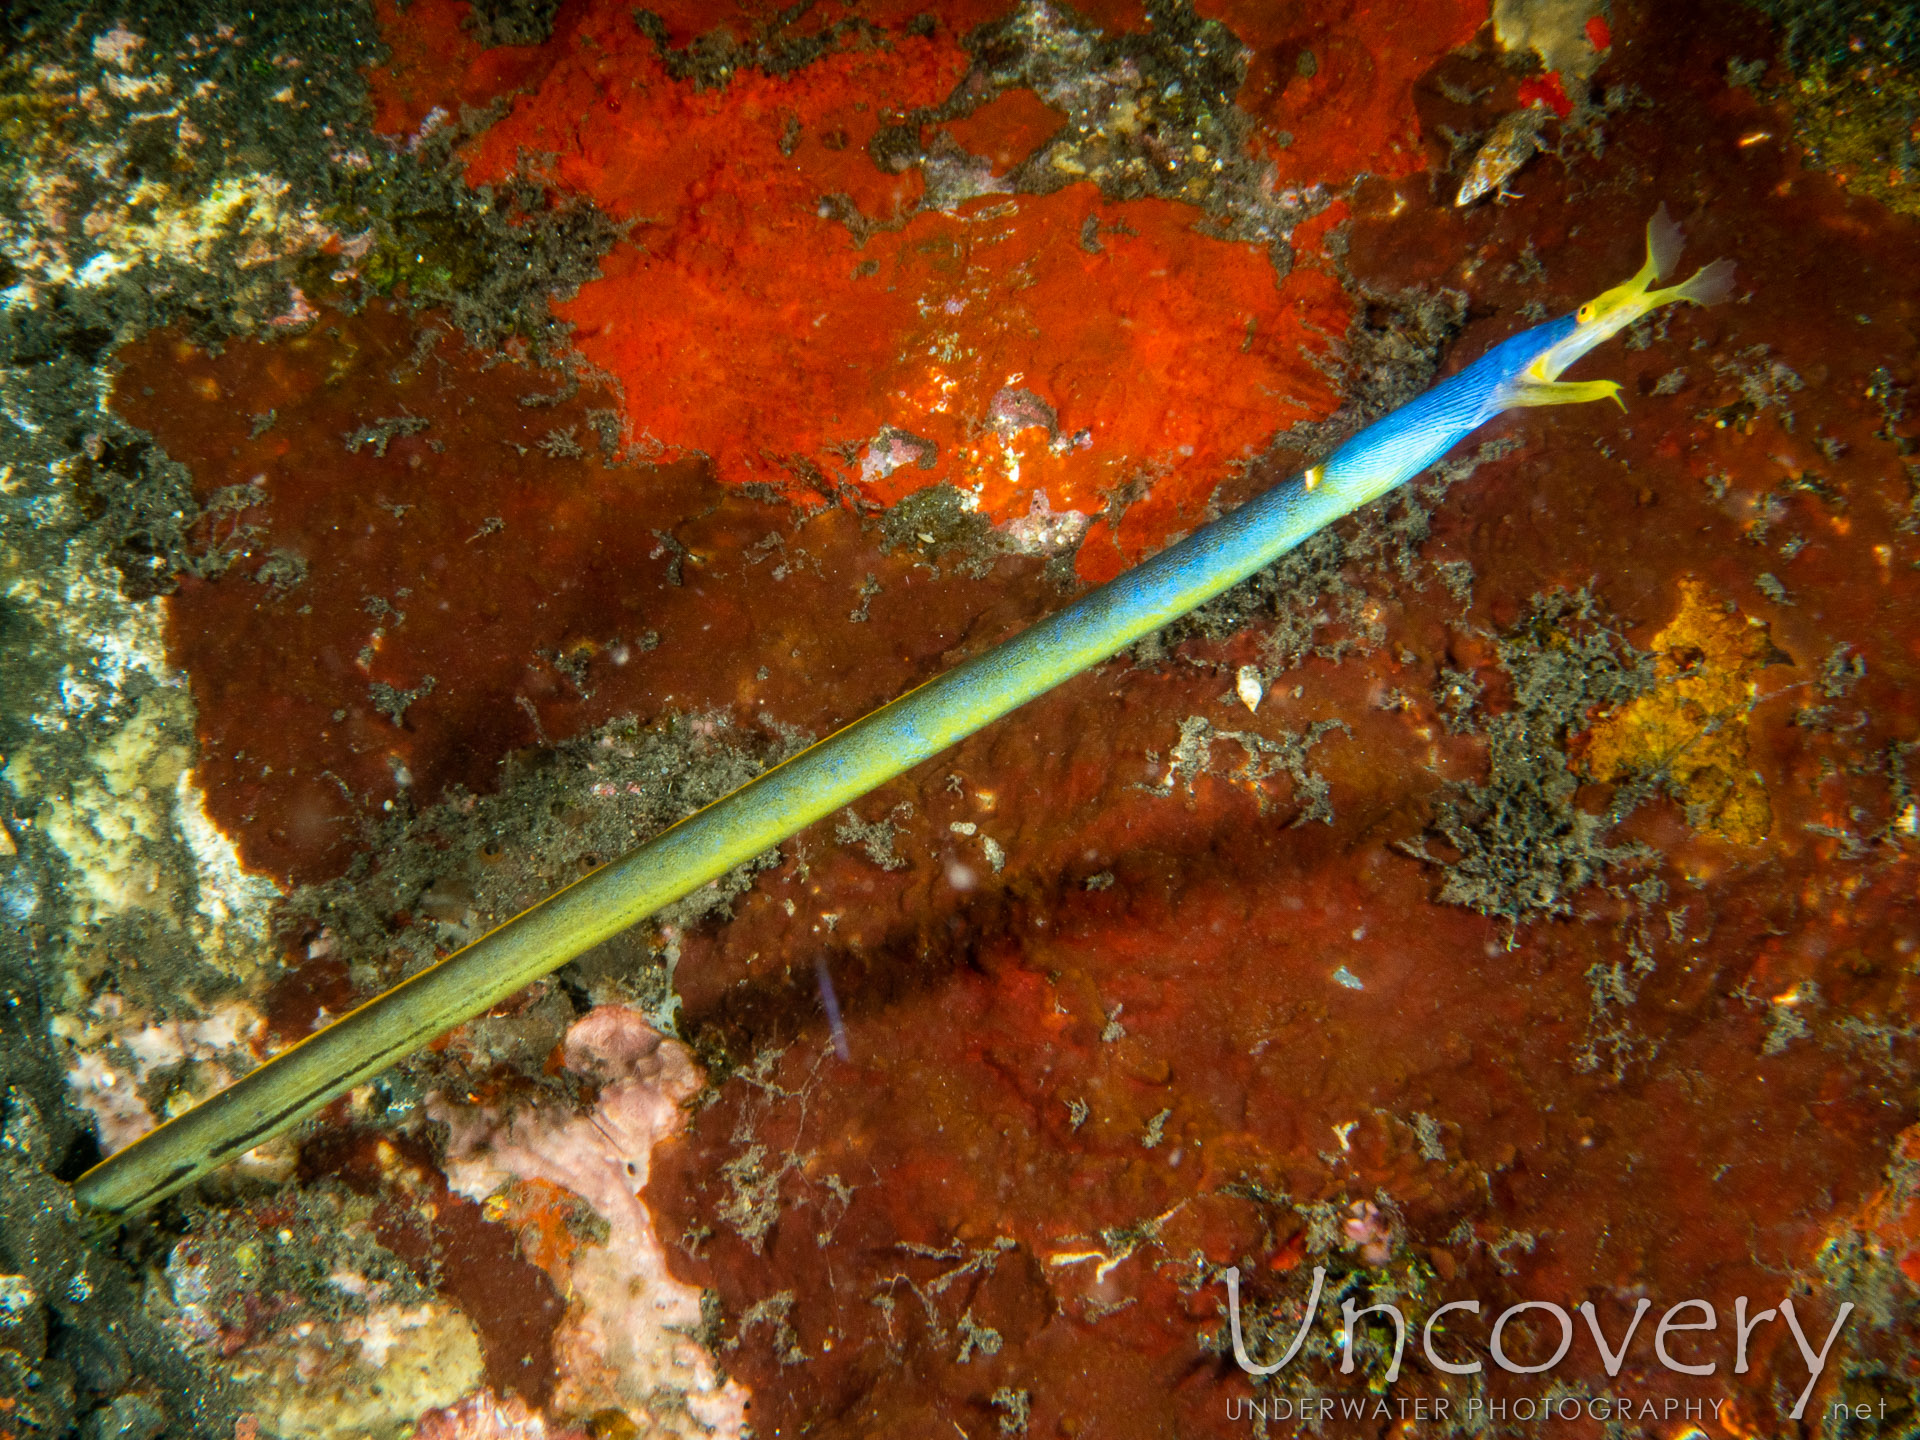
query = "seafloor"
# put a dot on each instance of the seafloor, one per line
(441, 445)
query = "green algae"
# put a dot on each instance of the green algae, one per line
(1859, 123)
(1854, 92)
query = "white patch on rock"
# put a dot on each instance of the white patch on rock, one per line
(1555, 30)
(893, 449)
(483, 1417)
(140, 212)
(1046, 531)
(128, 819)
(114, 1051)
(111, 1096)
(115, 823)
(230, 899)
(371, 1378)
(116, 46)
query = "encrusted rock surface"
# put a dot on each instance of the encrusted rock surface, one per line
(444, 445)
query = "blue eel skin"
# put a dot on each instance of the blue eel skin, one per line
(1380, 458)
(821, 780)
(1105, 621)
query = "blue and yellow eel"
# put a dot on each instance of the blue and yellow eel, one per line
(1524, 370)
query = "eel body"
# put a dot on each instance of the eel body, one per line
(1520, 371)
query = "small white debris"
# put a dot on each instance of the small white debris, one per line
(1248, 687)
(1044, 530)
(1346, 977)
(100, 269)
(17, 1297)
(116, 47)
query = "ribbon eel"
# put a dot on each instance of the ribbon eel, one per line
(1521, 371)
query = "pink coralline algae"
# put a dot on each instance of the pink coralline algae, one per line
(484, 1417)
(625, 1344)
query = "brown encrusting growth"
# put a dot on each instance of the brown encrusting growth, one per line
(1509, 896)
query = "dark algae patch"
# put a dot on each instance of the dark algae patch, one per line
(1524, 847)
